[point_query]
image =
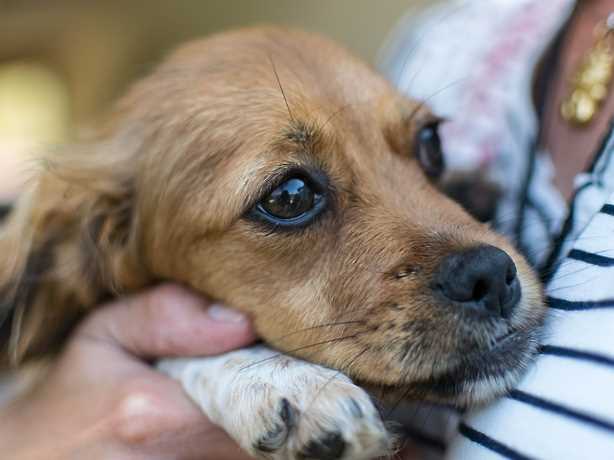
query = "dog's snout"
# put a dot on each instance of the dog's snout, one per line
(483, 278)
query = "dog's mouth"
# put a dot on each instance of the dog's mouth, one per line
(473, 378)
(480, 376)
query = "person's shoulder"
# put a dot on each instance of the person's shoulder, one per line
(442, 41)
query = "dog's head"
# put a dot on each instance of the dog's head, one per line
(270, 169)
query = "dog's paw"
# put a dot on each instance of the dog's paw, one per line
(281, 408)
(320, 414)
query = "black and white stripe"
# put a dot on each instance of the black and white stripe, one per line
(564, 408)
(568, 398)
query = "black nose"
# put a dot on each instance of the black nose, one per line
(483, 278)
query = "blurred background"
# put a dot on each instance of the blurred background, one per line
(63, 61)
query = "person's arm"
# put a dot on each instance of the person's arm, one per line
(102, 400)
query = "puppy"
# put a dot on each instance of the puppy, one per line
(272, 170)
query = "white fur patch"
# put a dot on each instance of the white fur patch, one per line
(278, 407)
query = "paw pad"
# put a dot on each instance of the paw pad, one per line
(329, 447)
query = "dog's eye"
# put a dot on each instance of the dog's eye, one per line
(290, 200)
(293, 203)
(428, 150)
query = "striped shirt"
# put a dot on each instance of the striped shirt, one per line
(564, 407)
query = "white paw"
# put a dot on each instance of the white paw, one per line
(323, 419)
(282, 408)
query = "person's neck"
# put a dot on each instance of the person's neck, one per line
(572, 147)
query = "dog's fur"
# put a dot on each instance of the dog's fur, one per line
(164, 193)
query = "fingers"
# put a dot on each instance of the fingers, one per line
(156, 417)
(168, 321)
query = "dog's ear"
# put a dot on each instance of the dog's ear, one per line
(68, 243)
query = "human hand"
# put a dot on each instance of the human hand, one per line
(102, 400)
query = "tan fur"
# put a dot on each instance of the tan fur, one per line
(161, 194)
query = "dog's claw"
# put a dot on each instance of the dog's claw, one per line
(287, 413)
(355, 408)
(276, 437)
(330, 447)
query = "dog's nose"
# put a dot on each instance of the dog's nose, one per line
(483, 278)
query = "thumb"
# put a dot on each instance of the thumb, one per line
(169, 321)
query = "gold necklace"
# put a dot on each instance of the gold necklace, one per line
(590, 84)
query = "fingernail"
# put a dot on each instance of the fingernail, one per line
(225, 315)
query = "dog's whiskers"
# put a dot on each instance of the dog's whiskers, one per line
(403, 396)
(336, 374)
(418, 42)
(305, 347)
(15, 334)
(336, 113)
(319, 326)
(281, 88)
(425, 101)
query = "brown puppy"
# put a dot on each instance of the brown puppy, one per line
(272, 170)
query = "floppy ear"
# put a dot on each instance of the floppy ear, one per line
(68, 244)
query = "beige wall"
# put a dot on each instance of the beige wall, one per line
(100, 45)
(361, 24)
(63, 61)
